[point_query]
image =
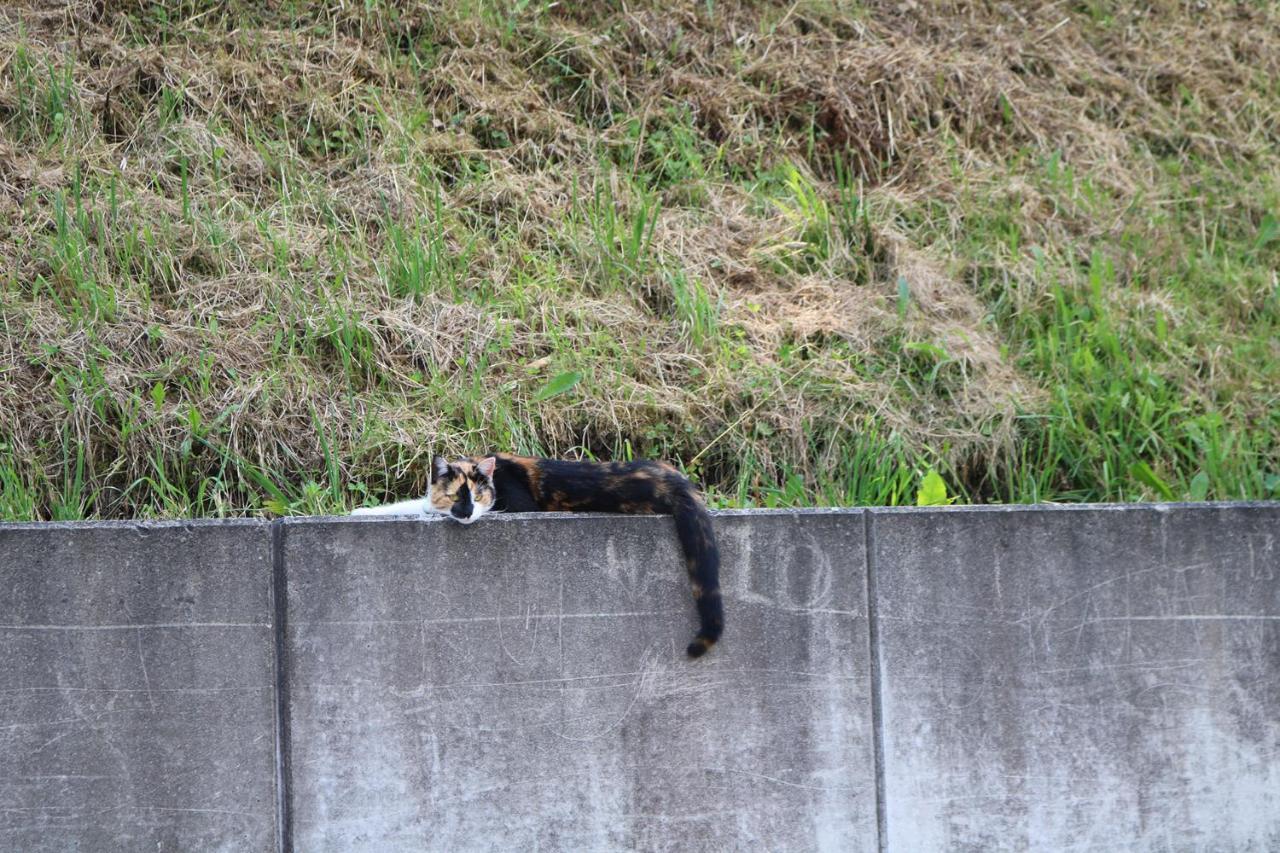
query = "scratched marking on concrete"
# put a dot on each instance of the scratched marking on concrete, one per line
(551, 703)
(135, 689)
(1094, 679)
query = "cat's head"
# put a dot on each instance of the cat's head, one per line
(462, 489)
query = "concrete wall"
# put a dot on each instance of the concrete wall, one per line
(136, 687)
(910, 680)
(1080, 679)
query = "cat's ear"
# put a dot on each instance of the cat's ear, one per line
(486, 465)
(439, 468)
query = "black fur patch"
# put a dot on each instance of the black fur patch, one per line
(525, 484)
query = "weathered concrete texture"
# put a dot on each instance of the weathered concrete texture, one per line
(136, 687)
(1098, 678)
(521, 684)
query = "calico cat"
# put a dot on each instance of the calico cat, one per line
(466, 489)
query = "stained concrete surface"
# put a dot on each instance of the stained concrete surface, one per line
(1076, 679)
(521, 684)
(136, 687)
(1043, 678)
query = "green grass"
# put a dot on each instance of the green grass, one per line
(1152, 378)
(276, 266)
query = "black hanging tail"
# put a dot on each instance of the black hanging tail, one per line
(702, 559)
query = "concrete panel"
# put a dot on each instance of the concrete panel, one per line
(1071, 679)
(521, 684)
(136, 687)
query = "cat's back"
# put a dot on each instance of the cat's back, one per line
(606, 473)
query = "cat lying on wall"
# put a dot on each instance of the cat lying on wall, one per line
(466, 489)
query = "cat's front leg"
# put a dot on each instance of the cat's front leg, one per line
(419, 507)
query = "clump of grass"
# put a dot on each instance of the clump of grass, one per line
(269, 257)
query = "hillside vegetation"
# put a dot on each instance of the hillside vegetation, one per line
(269, 257)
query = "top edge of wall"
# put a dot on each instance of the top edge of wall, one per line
(719, 513)
(149, 524)
(1083, 507)
(507, 517)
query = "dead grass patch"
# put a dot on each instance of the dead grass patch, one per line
(205, 205)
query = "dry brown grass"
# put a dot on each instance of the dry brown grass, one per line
(250, 231)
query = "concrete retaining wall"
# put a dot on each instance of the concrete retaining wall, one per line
(136, 687)
(1080, 678)
(898, 679)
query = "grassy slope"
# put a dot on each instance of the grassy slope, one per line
(808, 250)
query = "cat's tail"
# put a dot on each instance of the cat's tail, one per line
(701, 559)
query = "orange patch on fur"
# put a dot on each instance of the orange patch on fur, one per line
(531, 470)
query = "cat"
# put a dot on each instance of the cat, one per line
(466, 489)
